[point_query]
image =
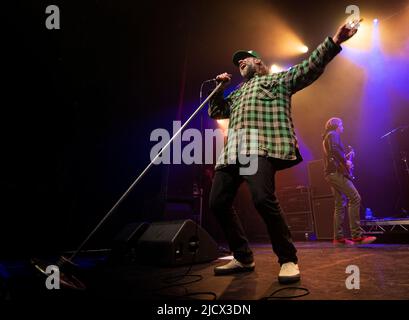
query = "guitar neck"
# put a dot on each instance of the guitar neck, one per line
(350, 154)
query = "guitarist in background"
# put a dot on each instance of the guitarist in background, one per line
(338, 172)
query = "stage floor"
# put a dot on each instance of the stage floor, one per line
(383, 275)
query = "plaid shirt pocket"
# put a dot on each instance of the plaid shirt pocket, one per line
(267, 91)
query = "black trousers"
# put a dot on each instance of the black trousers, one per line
(262, 187)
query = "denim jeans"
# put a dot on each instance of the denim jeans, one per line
(345, 194)
(262, 187)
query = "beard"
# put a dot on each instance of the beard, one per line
(248, 71)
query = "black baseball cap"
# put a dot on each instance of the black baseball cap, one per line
(242, 54)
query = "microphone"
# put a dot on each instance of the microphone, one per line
(215, 80)
(210, 80)
(207, 81)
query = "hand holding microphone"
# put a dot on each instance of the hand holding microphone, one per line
(222, 81)
(225, 78)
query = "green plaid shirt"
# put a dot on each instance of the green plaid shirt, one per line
(261, 109)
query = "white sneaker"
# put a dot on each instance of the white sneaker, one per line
(234, 266)
(289, 273)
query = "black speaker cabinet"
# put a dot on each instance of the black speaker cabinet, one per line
(174, 243)
(123, 246)
(296, 204)
(294, 199)
(131, 232)
(323, 210)
(318, 185)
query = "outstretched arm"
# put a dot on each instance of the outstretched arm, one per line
(305, 73)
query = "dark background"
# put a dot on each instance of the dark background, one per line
(79, 104)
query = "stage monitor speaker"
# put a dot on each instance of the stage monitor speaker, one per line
(173, 243)
(323, 210)
(123, 247)
(319, 186)
(131, 232)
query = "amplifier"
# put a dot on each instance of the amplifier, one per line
(324, 217)
(295, 202)
(319, 186)
(300, 222)
(294, 199)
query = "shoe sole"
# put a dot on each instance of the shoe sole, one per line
(224, 272)
(287, 280)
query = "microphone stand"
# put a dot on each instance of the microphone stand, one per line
(202, 166)
(68, 264)
(405, 161)
(402, 128)
(395, 167)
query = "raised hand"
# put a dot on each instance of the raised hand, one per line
(346, 31)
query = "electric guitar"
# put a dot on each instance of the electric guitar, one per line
(345, 170)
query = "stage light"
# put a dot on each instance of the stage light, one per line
(281, 40)
(303, 49)
(275, 68)
(375, 21)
